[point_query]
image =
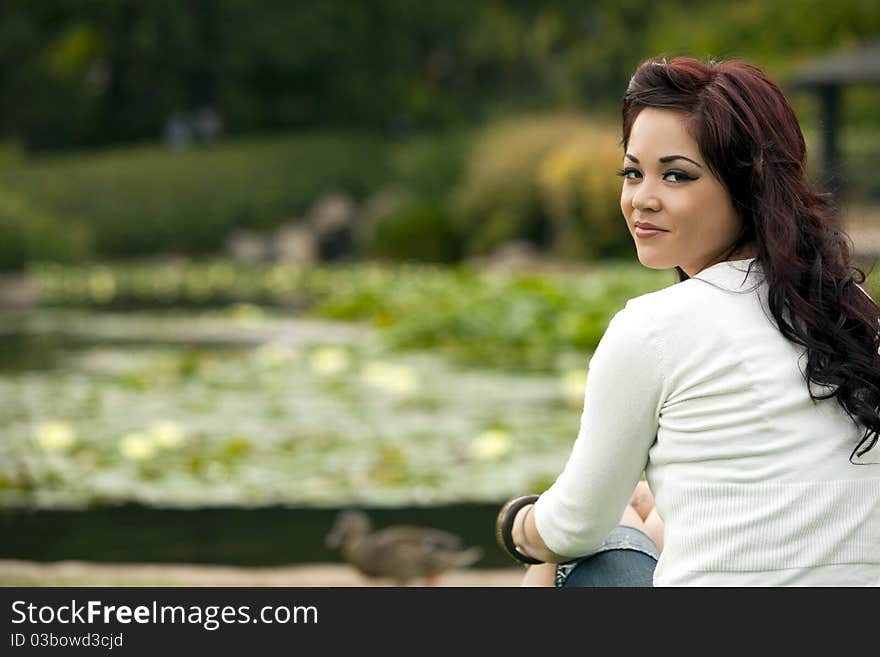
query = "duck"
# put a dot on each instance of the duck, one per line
(402, 553)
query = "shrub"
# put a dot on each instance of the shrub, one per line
(29, 233)
(581, 195)
(548, 179)
(431, 166)
(405, 229)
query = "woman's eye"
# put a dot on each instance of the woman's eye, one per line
(676, 176)
(673, 176)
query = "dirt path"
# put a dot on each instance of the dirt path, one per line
(80, 573)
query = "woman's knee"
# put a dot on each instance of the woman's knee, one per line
(613, 568)
(542, 574)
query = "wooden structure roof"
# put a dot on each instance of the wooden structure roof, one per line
(827, 77)
(860, 65)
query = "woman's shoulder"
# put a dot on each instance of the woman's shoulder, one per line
(690, 296)
(690, 314)
(686, 313)
(649, 316)
(650, 332)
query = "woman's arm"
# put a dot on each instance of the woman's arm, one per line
(640, 514)
(622, 402)
(528, 540)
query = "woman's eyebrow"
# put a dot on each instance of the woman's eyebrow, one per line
(670, 158)
(665, 159)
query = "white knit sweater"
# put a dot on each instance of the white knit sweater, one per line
(695, 385)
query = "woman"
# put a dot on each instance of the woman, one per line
(748, 392)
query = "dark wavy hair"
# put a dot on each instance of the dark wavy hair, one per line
(752, 143)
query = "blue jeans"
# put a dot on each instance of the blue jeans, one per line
(627, 558)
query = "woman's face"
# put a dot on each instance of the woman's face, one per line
(667, 185)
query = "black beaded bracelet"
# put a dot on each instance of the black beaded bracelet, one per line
(504, 528)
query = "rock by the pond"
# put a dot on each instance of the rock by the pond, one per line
(514, 255)
(249, 248)
(17, 292)
(296, 244)
(332, 219)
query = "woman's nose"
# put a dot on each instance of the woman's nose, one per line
(645, 198)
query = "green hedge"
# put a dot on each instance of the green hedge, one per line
(28, 233)
(145, 200)
(545, 178)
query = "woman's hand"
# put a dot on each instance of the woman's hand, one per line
(642, 502)
(640, 513)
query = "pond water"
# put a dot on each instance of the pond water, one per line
(263, 536)
(242, 407)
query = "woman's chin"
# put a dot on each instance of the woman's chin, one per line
(652, 261)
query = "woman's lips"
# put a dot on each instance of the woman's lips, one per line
(648, 232)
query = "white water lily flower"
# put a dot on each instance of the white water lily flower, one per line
(167, 434)
(102, 285)
(329, 360)
(573, 385)
(274, 355)
(137, 446)
(55, 436)
(399, 379)
(492, 445)
(245, 313)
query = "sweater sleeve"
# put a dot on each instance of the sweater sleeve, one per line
(622, 403)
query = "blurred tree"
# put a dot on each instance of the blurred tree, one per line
(93, 72)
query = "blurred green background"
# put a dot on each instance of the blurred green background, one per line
(138, 129)
(334, 253)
